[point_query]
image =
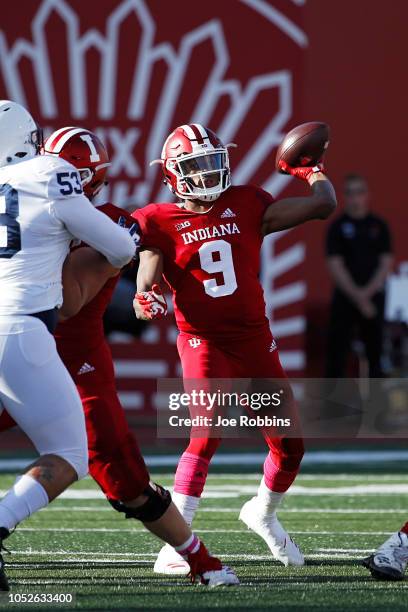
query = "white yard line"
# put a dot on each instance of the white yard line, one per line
(310, 458)
(236, 459)
(343, 550)
(343, 511)
(234, 491)
(369, 489)
(320, 553)
(361, 489)
(236, 510)
(245, 583)
(304, 477)
(144, 532)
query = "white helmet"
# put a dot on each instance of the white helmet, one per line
(20, 137)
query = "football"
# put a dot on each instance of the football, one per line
(305, 145)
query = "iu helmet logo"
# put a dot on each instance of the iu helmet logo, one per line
(83, 150)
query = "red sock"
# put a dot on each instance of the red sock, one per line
(404, 529)
(276, 479)
(190, 547)
(191, 475)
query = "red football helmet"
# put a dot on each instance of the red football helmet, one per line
(85, 151)
(195, 163)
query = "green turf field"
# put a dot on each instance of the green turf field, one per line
(79, 545)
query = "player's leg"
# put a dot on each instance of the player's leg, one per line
(200, 361)
(116, 463)
(191, 475)
(342, 317)
(115, 460)
(201, 364)
(155, 509)
(390, 560)
(38, 393)
(372, 336)
(190, 479)
(282, 463)
(260, 513)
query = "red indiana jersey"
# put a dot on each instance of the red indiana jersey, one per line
(84, 331)
(211, 261)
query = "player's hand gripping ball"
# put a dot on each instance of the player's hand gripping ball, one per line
(302, 150)
(152, 303)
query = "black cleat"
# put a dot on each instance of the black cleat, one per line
(382, 572)
(4, 585)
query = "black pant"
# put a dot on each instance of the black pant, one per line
(344, 319)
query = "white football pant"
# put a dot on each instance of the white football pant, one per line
(38, 392)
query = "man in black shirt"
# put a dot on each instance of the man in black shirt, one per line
(359, 257)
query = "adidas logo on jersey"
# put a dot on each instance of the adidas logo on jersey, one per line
(85, 368)
(228, 213)
(273, 346)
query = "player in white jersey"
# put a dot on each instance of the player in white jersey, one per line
(390, 560)
(42, 208)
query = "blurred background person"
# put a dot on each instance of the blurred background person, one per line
(359, 258)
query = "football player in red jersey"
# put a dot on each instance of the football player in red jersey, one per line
(115, 461)
(207, 246)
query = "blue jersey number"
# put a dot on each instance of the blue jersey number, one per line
(8, 220)
(69, 183)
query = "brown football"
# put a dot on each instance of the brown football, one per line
(305, 145)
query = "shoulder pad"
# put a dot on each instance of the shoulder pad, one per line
(63, 180)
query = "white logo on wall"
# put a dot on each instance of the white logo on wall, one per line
(141, 185)
(177, 59)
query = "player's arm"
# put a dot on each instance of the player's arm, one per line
(344, 281)
(342, 277)
(289, 212)
(84, 274)
(385, 264)
(361, 296)
(69, 206)
(149, 302)
(150, 269)
(94, 228)
(377, 282)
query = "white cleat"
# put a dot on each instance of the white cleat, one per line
(223, 577)
(169, 562)
(281, 545)
(390, 561)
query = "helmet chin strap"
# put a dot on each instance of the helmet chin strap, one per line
(208, 198)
